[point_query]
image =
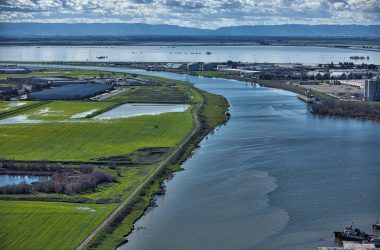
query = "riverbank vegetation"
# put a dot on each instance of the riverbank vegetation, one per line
(95, 164)
(359, 110)
(212, 113)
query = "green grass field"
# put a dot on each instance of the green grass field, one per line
(84, 141)
(74, 73)
(213, 73)
(4, 105)
(47, 225)
(32, 224)
(152, 94)
(129, 178)
(62, 110)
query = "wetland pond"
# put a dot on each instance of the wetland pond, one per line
(123, 111)
(139, 109)
(17, 179)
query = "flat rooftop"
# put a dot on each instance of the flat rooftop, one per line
(70, 92)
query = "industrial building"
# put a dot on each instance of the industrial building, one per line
(13, 71)
(372, 90)
(53, 81)
(70, 92)
(193, 66)
(176, 66)
(21, 80)
(222, 66)
(209, 66)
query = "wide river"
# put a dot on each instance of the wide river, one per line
(261, 54)
(275, 177)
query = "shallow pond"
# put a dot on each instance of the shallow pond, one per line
(20, 119)
(17, 179)
(139, 109)
(84, 114)
(16, 104)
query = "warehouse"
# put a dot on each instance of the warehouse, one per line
(53, 81)
(70, 92)
(13, 71)
(209, 66)
(193, 66)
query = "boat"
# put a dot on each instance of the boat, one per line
(356, 235)
(208, 53)
(350, 234)
(377, 224)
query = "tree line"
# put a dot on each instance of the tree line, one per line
(336, 108)
(86, 180)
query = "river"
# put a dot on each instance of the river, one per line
(261, 54)
(275, 177)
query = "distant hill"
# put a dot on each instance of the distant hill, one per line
(137, 29)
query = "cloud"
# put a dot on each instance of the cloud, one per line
(193, 13)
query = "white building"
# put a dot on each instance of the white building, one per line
(360, 83)
(221, 67)
(372, 90)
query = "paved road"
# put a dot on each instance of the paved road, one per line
(142, 184)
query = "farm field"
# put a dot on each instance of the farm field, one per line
(160, 94)
(74, 73)
(86, 141)
(62, 110)
(48, 225)
(6, 106)
(130, 150)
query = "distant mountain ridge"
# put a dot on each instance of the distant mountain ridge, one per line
(138, 29)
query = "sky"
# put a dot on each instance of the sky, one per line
(193, 13)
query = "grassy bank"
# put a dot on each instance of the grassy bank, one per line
(6, 108)
(211, 114)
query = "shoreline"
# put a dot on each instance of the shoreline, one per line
(325, 99)
(156, 184)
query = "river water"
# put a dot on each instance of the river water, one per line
(261, 54)
(275, 177)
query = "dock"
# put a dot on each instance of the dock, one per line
(351, 246)
(306, 99)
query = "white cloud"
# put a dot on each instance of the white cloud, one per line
(194, 13)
